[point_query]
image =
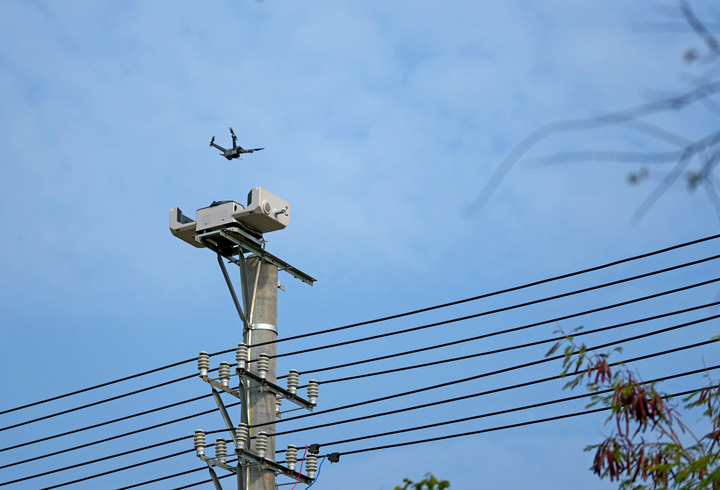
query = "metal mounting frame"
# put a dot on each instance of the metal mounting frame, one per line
(255, 459)
(275, 389)
(234, 241)
(271, 387)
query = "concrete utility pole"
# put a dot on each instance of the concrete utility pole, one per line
(263, 328)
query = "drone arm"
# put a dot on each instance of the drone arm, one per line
(234, 138)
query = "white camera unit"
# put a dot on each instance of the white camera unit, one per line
(265, 212)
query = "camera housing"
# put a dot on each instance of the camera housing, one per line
(265, 212)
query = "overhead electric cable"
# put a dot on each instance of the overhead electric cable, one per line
(120, 419)
(100, 402)
(519, 346)
(116, 436)
(500, 332)
(504, 412)
(473, 395)
(101, 385)
(92, 461)
(374, 337)
(167, 477)
(503, 291)
(390, 317)
(702, 370)
(481, 431)
(325, 382)
(547, 419)
(472, 378)
(115, 470)
(490, 312)
(379, 373)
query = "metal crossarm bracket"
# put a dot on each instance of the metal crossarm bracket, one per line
(214, 462)
(233, 241)
(257, 460)
(275, 389)
(278, 468)
(220, 386)
(271, 387)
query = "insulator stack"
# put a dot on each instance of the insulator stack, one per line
(291, 457)
(278, 403)
(243, 434)
(200, 442)
(261, 444)
(263, 365)
(293, 380)
(203, 363)
(312, 391)
(225, 373)
(311, 465)
(221, 450)
(241, 355)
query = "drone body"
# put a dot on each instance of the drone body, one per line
(235, 151)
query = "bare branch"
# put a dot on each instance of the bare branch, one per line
(699, 27)
(628, 117)
(621, 156)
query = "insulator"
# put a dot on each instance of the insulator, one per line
(203, 363)
(278, 402)
(261, 444)
(243, 434)
(312, 391)
(221, 450)
(200, 442)
(311, 465)
(263, 365)
(293, 380)
(241, 355)
(225, 373)
(291, 457)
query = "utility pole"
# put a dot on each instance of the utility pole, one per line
(262, 335)
(235, 233)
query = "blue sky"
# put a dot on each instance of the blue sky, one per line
(382, 121)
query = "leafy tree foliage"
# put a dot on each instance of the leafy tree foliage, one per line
(650, 446)
(429, 483)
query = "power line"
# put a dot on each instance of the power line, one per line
(90, 388)
(504, 309)
(390, 317)
(474, 377)
(492, 429)
(116, 436)
(367, 416)
(509, 330)
(485, 415)
(475, 432)
(108, 422)
(471, 395)
(98, 460)
(655, 317)
(392, 371)
(325, 382)
(565, 317)
(116, 470)
(503, 291)
(511, 410)
(100, 402)
(520, 346)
